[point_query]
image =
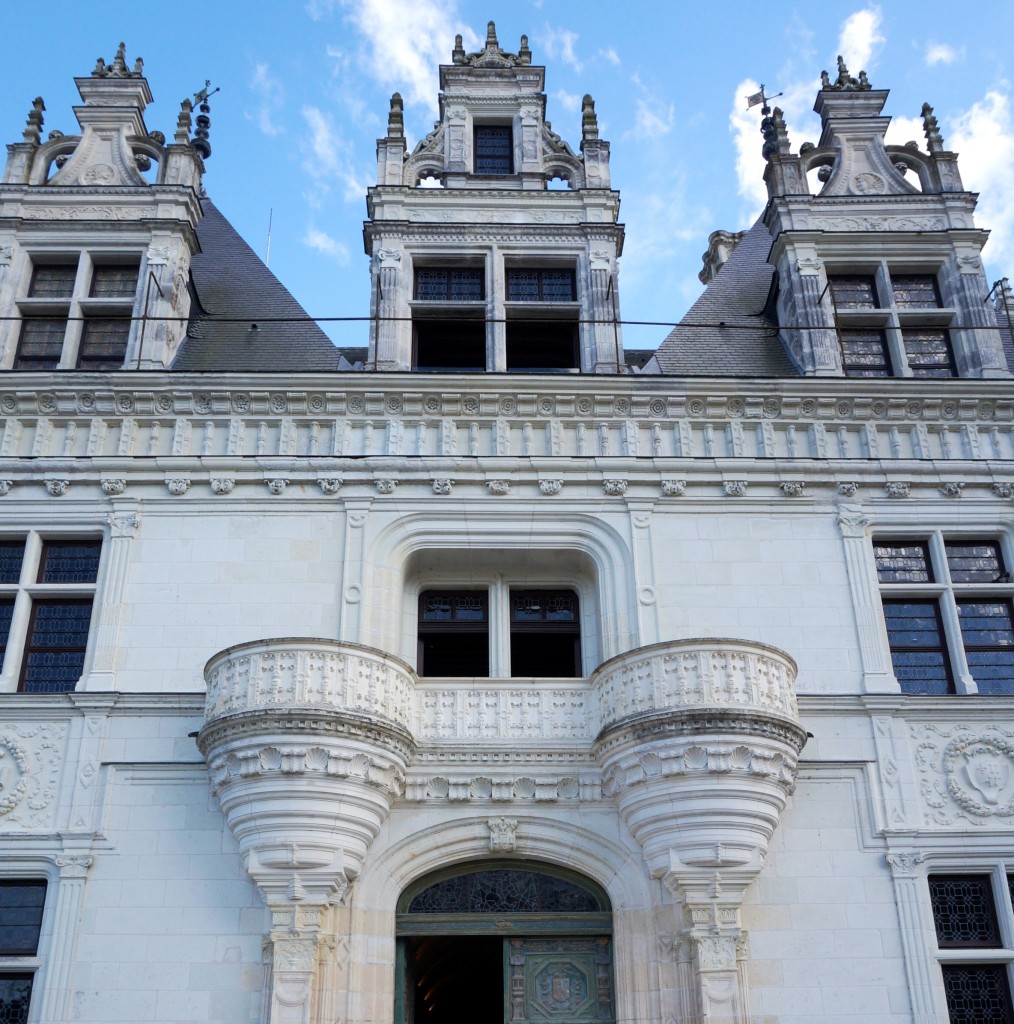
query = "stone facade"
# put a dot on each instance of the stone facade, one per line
(232, 807)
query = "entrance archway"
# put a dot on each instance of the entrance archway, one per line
(504, 942)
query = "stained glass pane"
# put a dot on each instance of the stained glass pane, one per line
(15, 996)
(454, 284)
(504, 891)
(915, 291)
(494, 149)
(70, 561)
(12, 554)
(977, 994)
(963, 911)
(41, 343)
(974, 561)
(929, 353)
(117, 281)
(987, 631)
(21, 906)
(522, 286)
(452, 606)
(53, 280)
(864, 353)
(902, 561)
(6, 617)
(558, 286)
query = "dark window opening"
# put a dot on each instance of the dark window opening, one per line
(41, 343)
(114, 281)
(52, 280)
(853, 291)
(103, 344)
(929, 352)
(541, 285)
(545, 633)
(450, 284)
(448, 344)
(915, 291)
(55, 650)
(864, 353)
(453, 633)
(452, 979)
(494, 149)
(541, 345)
(915, 633)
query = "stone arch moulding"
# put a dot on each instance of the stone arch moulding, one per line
(402, 858)
(463, 531)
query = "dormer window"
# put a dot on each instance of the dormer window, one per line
(77, 314)
(494, 149)
(449, 319)
(892, 324)
(542, 329)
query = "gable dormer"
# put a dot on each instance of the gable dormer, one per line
(99, 231)
(477, 265)
(880, 273)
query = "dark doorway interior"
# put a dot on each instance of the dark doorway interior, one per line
(456, 979)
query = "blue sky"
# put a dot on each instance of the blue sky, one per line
(305, 89)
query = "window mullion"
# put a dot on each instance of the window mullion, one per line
(499, 630)
(963, 681)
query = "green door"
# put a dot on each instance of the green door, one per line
(504, 944)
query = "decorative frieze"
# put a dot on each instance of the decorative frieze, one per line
(31, 756)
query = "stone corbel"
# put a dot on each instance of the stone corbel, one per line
(293, 949)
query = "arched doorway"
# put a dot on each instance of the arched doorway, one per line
(504, 943)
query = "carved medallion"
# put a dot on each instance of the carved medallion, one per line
(980, 776)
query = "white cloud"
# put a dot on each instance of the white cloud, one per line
(325, 162)
(406, 41)
(559, 43)
(745, 127)
(984, 137)
(905, 129)
(270, 95)
(860, 39)
(567, 100)
(610, 55)
(652, 119)
(324, 243)
(942, 53)
(320, 9)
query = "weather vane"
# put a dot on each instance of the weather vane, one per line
(759, 97)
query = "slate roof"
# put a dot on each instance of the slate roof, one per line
(231, 281)
(738, 296)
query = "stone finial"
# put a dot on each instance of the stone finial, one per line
(396, 117)
(458, 53)
(524, 54)
(845, 81)
(491, 56)
(589, 121)
(33, 125)
(934, 140)
(776, 136)
(491, 40)
(183, 121)
(120, 60)
(118, 68)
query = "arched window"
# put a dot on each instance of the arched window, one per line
(504, 942)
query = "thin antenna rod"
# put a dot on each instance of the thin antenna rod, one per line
(267, 254)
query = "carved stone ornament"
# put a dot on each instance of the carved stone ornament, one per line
(847, 488)
(123, 524)
(386, 486)
(222, 484)
(897, 489)
(599, 259)
(550, 487)
(809, 264)
(498, 487)
(673, 488)
(5, 486)
(503, 835)
(614, 488)
(792, 488)
(388, 257)
(276, 485)
(443, 485)
(113, 486)
(6, 254)
(330, 485)
(867, 184)
(952, 490)
(57, 487)
(177, 485)
(905, 865)
(853, 524)
(969, 264)
(74, 866)
(30, 758)
(734, 488)
(1002, 490)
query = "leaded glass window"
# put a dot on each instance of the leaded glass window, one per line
(918, 652)
(504, 891)
(21, 907)
(853, 291)
(974, 561)
(494, 149)
(902, 562)
(929, 353)
(69, 561)
(864, 353)
(450, 284)
(52, 280)
(977, 994)
(117, 280)
(540, 285)
(41, 343)
(103, 343)
(963, 911)
(915, 291)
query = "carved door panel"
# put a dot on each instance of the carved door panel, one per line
(563, 981)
